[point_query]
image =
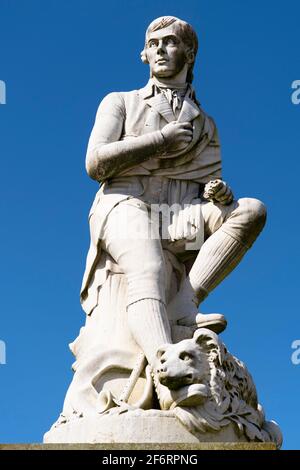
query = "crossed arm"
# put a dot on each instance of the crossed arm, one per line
(108, 156)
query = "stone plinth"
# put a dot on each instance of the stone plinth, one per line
(146, 427)
(158, 447)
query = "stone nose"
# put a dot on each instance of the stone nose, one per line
(161, 368)
(161, 46)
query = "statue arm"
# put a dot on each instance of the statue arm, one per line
(107, 155)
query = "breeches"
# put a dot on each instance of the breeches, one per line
(132, 237)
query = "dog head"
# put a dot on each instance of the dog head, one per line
(188, 362)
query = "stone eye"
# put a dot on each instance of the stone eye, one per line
(171, 41)
(184, 356)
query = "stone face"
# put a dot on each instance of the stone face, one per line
(165, 231)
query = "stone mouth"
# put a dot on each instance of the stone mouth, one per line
(173, 383)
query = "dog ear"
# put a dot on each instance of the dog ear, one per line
(210, 344)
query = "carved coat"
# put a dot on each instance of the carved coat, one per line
(127, 115)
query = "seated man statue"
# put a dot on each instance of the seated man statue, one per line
(156, 147)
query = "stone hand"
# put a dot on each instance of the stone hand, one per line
(219, 191)
(177, 135)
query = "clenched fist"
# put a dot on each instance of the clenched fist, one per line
(177, 135)
(219, 191)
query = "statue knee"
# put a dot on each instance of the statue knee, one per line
(254, 210)
(253, 213)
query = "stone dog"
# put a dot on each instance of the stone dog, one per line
(208, 388)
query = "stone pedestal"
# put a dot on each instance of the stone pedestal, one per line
(145, 446)
(136, 427)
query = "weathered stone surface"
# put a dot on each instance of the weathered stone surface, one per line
(140, 427)
(134, 427)
(145, 446)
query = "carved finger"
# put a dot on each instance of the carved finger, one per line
(213, 187)
(227, 198)
(185, 132)
(187, 125)
(221, 192)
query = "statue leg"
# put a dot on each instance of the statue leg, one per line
(141, 258)
(230, 231)
(139, 254)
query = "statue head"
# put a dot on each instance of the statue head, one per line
(171, 45)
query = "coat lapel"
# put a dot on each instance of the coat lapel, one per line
(158, 102)
(189, 110)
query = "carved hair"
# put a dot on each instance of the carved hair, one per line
(185, 32)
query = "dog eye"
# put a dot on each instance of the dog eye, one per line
(184, 356)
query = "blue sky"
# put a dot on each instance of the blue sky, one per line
(58, 59)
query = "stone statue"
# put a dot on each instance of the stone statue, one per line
(165, 231)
